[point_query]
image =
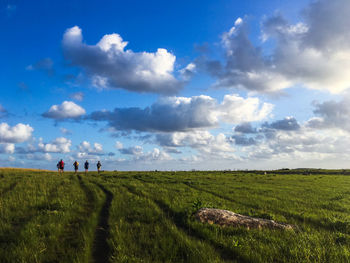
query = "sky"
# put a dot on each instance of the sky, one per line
(175, 85)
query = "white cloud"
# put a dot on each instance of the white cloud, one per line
(155, 155)
(171, 114)
(98, 147)
(85, 156)
(16, 134)
(235, 109)
(47, 156)
(314, 53)
(204, 142)
(85, 147)
(8, 148)
(89, 151)
(110, 65)
(67, 110)
(289, 123)
(135, 150)
(138, 155)
(332, 114)
(188, 71)
(59, 145)
(304, 143)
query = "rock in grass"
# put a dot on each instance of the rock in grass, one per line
(228, 218)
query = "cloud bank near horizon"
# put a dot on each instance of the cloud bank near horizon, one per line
(171, 114)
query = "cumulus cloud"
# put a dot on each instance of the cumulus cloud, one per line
(203, 142)
(16, 134)
(135, 150)
(245, 66)
(332, 114)
(183, 114)
(110, 65)
(288, 124)
(156, 155)
(8, 148)
(93, 152)
(244, 140)
(246, 135)
(331, 32)
(321, 138)
(245, 127)
(59, 145)
(188, 71)
(67, 110)
(235, 109)
(180, 139)
(86, 147)
(314, 53)
(137, 154)
(304, 143)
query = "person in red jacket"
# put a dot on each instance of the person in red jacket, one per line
(61, 166)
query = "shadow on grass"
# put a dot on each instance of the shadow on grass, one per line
(8, 189)
(72, 233)
(180, 220)
(101, 250)
(18, 223)
(220, 196)
(325, 223)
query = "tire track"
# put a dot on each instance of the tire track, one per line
(72, 233)
(335, 226)
(179, 220)
(88, 193)
(221, 196)
(101, 250)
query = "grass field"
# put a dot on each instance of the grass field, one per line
(148, 216)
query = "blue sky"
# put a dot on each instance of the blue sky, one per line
(143, 85)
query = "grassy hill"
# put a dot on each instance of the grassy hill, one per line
(148, 216)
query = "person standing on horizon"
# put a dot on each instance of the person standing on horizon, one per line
(86, 166)
(98, 166)
(76, 166)
(61, 166)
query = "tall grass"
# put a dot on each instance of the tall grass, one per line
(46, 218)
(148, 216)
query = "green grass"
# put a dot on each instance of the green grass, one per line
(148, 216)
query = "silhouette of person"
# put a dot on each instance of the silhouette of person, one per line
(98, 166)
